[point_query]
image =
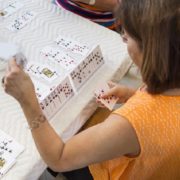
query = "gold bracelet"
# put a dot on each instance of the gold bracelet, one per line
(34, 124)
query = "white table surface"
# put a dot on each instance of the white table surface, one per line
(50, 22)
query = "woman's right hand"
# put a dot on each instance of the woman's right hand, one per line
(18, 84)
(122, 92)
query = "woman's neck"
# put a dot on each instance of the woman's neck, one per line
(170, 92)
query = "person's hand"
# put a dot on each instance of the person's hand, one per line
(18, 84)
(117, 90)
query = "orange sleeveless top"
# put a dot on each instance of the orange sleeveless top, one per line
(156, 120)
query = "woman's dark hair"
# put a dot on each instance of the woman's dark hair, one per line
(155, 25)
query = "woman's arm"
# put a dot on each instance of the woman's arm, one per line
(113, 138)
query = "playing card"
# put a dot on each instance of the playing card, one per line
(48, 73)
(64, 42)
(108, 102)
(88, 65)
(85, 69)
(43, 107)
(50, 52)
(45, 95)
(9, 145)
(66, 61)
(79, 48)
(67, 89)
(60, 57)
(78, 77)
(72, 45)
(20, 59)
(9, 151)
(6, 162)
(56, 99)
(51, 104)
(9, 50)
(21, 21)
(82, 72)
(42, 90)
(10, 9)
(47, 107)
(44, 72)
(97, 57)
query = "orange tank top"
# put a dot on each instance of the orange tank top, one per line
(156, 120)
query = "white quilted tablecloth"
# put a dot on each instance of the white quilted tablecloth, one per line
(49, 23)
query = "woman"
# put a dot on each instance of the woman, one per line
(141, 140)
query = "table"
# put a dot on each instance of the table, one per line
(50, 22)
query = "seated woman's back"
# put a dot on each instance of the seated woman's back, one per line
(156, 121)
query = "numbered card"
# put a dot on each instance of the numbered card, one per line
(72, 45)
(21, 21)
(42, 90)
(65, 60)
(108, 102)
(9, 145)
(88, 66)
(10, 9)
(44, 72)
(9, 151)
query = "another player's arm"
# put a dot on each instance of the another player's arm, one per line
(106, 5)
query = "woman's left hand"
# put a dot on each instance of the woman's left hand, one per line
(18, 84)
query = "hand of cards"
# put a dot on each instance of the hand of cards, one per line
(9, 151)
(107, 102)
(9, 50)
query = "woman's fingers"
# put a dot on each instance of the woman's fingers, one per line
(100, 104)
(111, 84)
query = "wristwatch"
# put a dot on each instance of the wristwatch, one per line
(92, 2)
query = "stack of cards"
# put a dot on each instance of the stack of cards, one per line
(76, 70)
(42, 90)
(9, 151)
(80, 67)
(108, 102)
